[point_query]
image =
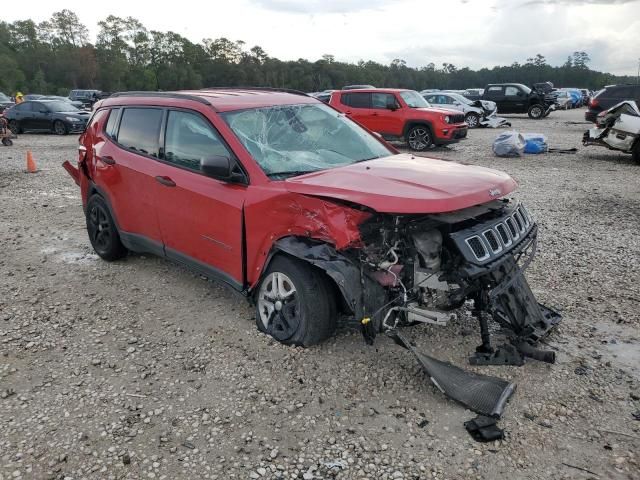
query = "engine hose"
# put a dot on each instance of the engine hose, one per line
(528, 350)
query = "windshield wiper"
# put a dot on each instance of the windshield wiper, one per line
(289, 173)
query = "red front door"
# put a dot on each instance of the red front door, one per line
(200, 218)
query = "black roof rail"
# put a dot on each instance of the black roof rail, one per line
(183, 96)
(265, 89)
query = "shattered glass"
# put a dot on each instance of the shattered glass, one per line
(290, 140)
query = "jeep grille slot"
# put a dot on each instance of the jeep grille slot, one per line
(478, 248)
(512, 228)
(504, 236)
(519, 221)
(492, 240)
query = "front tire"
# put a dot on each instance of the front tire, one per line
(472, 120)
(102, 230)
(59, 128)
(419, 138)
(536, 112)
(295, 303)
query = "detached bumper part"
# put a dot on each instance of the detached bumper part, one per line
(482, 394)
(73, 171)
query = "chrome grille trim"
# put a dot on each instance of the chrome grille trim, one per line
(485, 250)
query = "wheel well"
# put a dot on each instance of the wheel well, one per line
(343, 274)
(417, 123)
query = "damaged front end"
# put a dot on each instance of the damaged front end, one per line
(489, 117)
(412, 269)
(617, 129)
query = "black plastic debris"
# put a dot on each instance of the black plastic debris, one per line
(484, 429)
(482, 394)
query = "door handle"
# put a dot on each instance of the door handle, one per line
(374, 114)
(106, 159)
(348, 112)
(166, 181)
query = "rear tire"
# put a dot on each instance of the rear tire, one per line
(295, 303)
(536, 112)
(419, 138)
(101, 227)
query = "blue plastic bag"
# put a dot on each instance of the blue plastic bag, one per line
(535, 143)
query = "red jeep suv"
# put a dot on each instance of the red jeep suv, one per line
(401, 115)
(305, 212)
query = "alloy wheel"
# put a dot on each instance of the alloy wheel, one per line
(472, 121)
(419, 138)
(278, 306)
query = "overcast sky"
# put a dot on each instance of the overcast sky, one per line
(474, 33)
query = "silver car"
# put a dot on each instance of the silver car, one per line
(476, 112)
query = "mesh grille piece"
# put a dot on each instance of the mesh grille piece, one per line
(492, 240)
(502, 231)
(478, 248)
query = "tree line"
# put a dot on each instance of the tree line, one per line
(56, 55)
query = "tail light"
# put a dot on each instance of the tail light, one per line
(593, 103)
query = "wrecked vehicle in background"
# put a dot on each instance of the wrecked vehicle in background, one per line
(617, 129)
(312, 217)
(477, 113)
(518, 98)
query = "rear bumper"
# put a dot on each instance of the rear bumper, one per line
(591, 115)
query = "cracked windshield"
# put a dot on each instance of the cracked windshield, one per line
(292, 140)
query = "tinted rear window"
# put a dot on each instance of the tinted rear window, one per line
(357, 100)
(140, 129)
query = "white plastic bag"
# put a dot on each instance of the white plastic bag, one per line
(509, 144)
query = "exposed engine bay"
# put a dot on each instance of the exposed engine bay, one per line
(431, 265)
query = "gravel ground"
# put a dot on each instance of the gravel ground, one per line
(141, 369)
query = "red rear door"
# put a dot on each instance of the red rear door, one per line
(124, 164)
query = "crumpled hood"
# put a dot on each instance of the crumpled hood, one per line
(406, 184)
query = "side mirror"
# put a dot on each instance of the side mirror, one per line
(393, 106)
(220, 168)
(44, 111)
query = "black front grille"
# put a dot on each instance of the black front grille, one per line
(512, 227)
(456, 118)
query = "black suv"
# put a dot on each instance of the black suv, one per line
(518, 98)
(610, 96)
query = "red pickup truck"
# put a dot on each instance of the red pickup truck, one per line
(399, 114)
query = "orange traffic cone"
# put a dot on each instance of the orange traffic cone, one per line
(31, 164)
